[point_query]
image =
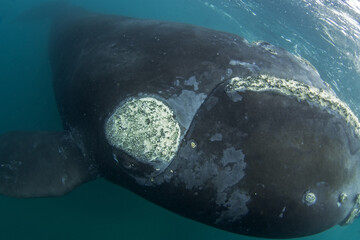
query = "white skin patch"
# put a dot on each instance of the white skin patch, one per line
(192, 82)
(309, 198)
(296, 89)
(146, 129)
(251, 66)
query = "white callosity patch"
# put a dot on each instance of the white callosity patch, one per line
(341, 199)
(309, 198)
(146, 129)
(296, 89)
(355, 213)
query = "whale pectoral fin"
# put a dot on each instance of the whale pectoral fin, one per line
(42, 164)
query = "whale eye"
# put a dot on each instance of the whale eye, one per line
(146, 129)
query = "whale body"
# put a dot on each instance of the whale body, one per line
(245, 137)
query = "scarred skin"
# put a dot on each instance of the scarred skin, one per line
(252, 161)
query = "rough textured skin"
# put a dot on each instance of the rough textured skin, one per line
(145, 129)
(260, 163)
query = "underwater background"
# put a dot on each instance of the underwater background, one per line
(327, 33)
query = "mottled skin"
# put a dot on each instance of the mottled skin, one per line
(245, 159)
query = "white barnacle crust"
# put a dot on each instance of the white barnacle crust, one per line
(299, 90)
(146, 129)
(355, 212)
(309, 198)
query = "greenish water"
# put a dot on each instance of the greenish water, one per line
(101, 210)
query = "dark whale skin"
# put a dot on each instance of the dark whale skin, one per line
(258, 162)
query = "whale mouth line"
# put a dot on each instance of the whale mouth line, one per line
(299, 90)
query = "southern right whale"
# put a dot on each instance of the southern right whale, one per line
(241, 136)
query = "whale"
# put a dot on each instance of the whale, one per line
(245, 137)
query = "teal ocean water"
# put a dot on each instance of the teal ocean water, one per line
(327, 33)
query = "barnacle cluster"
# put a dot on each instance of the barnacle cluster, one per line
(299, 90)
